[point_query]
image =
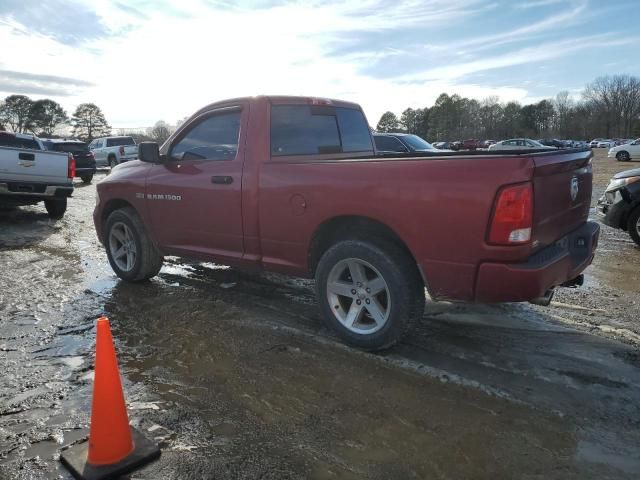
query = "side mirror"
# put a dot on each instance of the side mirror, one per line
(149, 152)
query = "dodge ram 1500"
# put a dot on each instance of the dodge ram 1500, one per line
(294, 185)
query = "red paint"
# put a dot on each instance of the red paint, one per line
(441, 207)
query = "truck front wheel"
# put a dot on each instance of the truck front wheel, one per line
(56, 207)
(369, 294)
(132, 254)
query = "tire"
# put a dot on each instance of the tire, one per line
(623, 156)
(633, 225)
(401, 301)
(113, 161)
(56, 207)
(87, 178)
(138, 259)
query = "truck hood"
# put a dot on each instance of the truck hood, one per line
(628, 173)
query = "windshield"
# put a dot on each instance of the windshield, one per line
(417, 143)
(536, 143)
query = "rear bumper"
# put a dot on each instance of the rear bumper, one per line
(35, 190)
(547, 268)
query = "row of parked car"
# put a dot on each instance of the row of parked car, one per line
(37, 170)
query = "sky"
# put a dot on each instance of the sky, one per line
(148, 60)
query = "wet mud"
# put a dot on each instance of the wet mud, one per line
(235, 376)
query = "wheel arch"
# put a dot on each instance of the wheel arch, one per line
(353, 227)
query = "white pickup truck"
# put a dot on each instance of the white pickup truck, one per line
(111, 151)
(29, 174)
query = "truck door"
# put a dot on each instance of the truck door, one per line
(194, 198)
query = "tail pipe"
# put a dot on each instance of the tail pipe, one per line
(545, 300)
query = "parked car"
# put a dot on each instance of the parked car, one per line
(471, 144)
(85, 159)
(293, 185)
(594, 143)
(519, 144)
(112, 151)
(400, 143)
(552, 142)
(619, 206)
(455, 146)
(605, 144)
(29, 174)
(488, 143)
(626, 152)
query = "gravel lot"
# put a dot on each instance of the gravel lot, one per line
(236, 377)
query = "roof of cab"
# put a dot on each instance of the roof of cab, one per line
(280, 100)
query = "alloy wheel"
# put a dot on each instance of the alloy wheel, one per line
(122, 246)
(358, 296)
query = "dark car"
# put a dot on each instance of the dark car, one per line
(401, 143)
(552, 142)
(85, 161)
(619, 207)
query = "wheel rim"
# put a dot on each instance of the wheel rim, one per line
(122, 246)
(358, 296)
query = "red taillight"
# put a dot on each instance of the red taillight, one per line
(71, 167)
(512, 215)
(121, 150)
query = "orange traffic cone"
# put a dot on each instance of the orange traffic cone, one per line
(114, 447)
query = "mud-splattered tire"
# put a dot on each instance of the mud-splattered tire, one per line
(369, 294)
(132, 255)
(87, 178)
(633, 225)
(56, 207)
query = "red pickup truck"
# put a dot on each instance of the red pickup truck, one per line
(294, 185)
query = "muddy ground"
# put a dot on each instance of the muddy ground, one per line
(236, 377)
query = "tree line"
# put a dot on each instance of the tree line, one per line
(46, 118)
(609, 107)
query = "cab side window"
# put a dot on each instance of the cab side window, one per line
(214, 138)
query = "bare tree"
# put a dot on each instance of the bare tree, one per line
(160, 132)
(617, 101)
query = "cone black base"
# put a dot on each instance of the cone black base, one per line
(75, 459)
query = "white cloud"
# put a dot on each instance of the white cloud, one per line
(179, 56)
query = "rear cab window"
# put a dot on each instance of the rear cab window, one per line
(19, 141)
(70, 147)
(318, 130)
(119, 141)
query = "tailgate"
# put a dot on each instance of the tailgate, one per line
(41, 166)
(131, 150)
(562, 194)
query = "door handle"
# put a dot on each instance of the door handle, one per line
(222, 180)
(26, 156)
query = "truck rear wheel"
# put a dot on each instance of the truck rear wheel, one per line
(633, 225)
(113, 161)
(56, 207)
(369, 294)
(132, 254)
(87, 178)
